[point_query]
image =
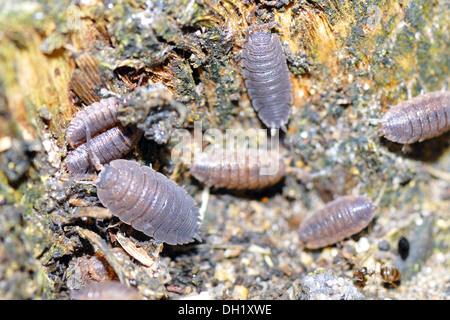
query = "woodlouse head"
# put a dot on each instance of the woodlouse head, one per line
(106, 177)
(262, 37)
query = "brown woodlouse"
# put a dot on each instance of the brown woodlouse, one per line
(250, 169)
(418, 119)
(107, 146)
(99, 116)
(149, 201)
(338, 220)
(267, 77)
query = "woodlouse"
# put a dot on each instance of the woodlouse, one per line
(99, 116)
(338, 220)
(149, 201)
(107, 146)
(418, 119)
(246, 169)
(267, 77)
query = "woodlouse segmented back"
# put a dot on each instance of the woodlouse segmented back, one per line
(98, 116)
(338, 220)
(107, 146)
(418, 119)
(241, 169)
(267, 77)
(149, 201)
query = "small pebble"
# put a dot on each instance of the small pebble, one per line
(383, 245)
(240, 292)
(362, 245)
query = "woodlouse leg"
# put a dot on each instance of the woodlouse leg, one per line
(140, 80)
(92, 157)
(84, 178)
(247, 35)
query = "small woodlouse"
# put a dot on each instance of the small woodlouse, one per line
(418, 119)
(99, 116)
(267, 77)
(149, 201)
(252, 169)
(338, 220)
(107, 146)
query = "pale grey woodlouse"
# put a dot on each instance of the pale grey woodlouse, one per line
(417, 119)
(110, 140)
(149, 202)
(139, 196)
(249, 169)
(267, 77)
(339, 219)
(99, 116)
(107, 146)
